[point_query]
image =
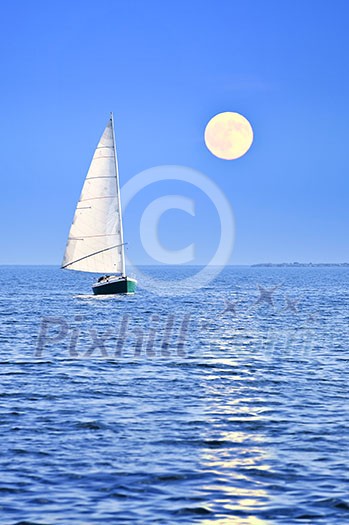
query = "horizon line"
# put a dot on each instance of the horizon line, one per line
(284, 263)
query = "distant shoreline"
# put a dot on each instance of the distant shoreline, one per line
(298, 265)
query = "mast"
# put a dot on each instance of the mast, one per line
(123, 271)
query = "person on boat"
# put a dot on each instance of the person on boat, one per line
(103, 278)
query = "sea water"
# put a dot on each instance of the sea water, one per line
(227, 404)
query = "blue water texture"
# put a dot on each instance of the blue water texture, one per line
(223, 405)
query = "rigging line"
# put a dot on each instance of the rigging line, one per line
(102, 177)
(93, 236)
(97, 198)
(91, 254)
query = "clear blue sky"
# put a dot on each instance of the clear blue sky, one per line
(165, 68)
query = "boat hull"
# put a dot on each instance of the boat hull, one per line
(115, 286)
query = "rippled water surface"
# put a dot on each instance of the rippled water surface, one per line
(228, 405)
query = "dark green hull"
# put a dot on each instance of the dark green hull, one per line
(115, 286)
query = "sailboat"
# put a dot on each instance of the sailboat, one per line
(96, 239)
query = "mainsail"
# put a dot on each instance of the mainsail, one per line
(95, 242)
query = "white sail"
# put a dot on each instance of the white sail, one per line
(95, 242)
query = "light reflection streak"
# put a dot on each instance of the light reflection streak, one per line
(236, 493)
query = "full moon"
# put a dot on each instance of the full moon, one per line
(228, 135)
